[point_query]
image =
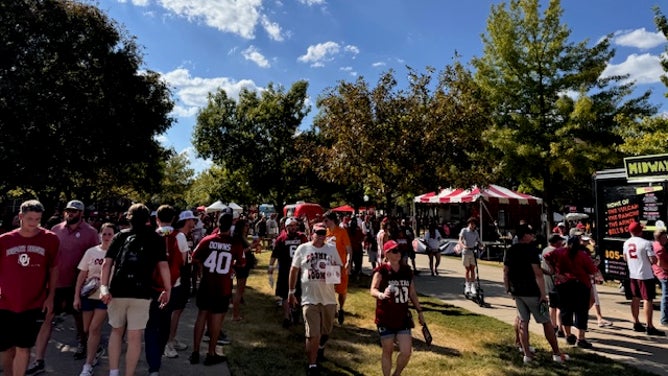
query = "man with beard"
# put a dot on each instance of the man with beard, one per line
(284, 248)
(76, 236)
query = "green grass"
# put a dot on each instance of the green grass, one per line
(464, 343)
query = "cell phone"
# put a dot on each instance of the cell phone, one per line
(427, 334)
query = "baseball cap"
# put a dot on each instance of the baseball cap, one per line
(635, 227)
(185, 215)
(555, 238)
(76, 205)
(561, 224)
(290, 221)
(389, 245)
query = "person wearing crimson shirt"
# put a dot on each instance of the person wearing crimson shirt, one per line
(216, 256)
(28, 269)
(284, 248)
(393, 287)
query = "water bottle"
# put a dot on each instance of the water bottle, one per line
(544, 308)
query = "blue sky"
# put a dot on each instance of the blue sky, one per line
(200, 46)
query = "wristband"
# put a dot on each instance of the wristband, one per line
(104, 290)
(381, 296)
(292, 291)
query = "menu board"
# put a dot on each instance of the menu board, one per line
(618, 206)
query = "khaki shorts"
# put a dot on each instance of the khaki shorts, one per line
(318, 319)
(128, 311)
(468, 260)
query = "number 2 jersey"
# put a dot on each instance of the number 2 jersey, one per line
(638, 251)
(393, 311)
(218, 254)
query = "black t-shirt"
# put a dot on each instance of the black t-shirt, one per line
(519, 259)
(136, 255)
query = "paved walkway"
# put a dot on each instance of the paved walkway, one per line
(618, 342)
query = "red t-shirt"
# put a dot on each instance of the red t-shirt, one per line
(218, 255)
(580, 268)
(25, 265)
(392, 312)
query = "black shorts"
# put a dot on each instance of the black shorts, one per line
(19, 329)
(213, 305)
(553, 298)
(178, 297)
(63, 301)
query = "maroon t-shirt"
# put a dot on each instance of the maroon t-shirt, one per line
(218, 255)
(393, 311)
(24, 269)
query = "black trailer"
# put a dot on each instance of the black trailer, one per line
(637, 192)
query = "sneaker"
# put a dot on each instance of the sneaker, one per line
(210, 359)
(169, 351)
(532, 349)
(178, 345)
(603, 323)
(340, 318)
(86, 371)
(638, 327)
(80, 353)
(527, 359)
(312, 371)
(467, 288)
(36, 368)
(223, 339)
(560, 358)
(652, 331)
(473, 290)
(194, 358)
(571, 339)
(584, 344)
(98, 354)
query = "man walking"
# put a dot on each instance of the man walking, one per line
(315, 263)
(523, 279)
(28, 266)
(338, 237)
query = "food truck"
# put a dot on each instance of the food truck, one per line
(636, 192)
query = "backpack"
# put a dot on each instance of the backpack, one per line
(129, 275)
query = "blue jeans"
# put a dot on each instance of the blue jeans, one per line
(664, 301)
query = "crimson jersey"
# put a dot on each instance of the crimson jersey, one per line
(393, 311)
(218, 255)
(24, 269)
(284, 248)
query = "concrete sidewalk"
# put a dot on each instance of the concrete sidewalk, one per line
(617, 342)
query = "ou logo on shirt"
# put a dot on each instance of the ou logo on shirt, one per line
(24, 259)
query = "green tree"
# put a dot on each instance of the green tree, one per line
(550, 143)
(79, 118)
(177, 180)
(254, 139)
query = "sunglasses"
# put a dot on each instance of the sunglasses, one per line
(321, 232)
(394, 250)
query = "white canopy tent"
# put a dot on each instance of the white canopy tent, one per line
(216, 207)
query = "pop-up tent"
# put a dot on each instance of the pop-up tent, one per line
(493, 196)
(215, 207)
(344, 209)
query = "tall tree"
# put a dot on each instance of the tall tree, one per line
(254, 138)
(78, 116)
(548, 141)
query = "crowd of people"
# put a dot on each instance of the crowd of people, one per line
(139, 274)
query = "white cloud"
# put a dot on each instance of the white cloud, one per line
(352, 49)
(196, 164)
(235, 16)
(191, 93)
(349, 70)
(643, 69)
(320, 53)
(378, 64)
(312, 2)
(639, 38)
(272, 28)
(251, 53)
(139, 3)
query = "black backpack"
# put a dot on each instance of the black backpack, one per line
(130, 274)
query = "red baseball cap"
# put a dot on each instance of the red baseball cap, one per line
(635, 227)
(389, 245)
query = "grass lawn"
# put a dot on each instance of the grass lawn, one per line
(464, 343)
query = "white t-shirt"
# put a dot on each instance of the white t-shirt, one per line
(470, 238)
(312, 262)
(433, 242)
(91, 262)
(637, 252)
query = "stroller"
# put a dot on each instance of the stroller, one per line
(479, 296)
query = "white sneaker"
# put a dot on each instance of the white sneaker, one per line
(532, 350)
(467, 288)
(473, 290)
(170, 352)
(560, 358)
(178, 345)
(86, 371)
(527, 359)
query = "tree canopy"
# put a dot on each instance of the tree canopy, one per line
(79, 116)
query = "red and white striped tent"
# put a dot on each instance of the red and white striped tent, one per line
(493, 193)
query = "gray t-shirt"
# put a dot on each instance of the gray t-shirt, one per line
(470, 238)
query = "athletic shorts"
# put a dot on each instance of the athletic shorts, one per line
(644, 289)
(318, 319)
(19, 329)
(468, 260)
(213, 305)
(386, 333)
(528, 306)
(132, 312)
(88, 304)
(178, 297)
